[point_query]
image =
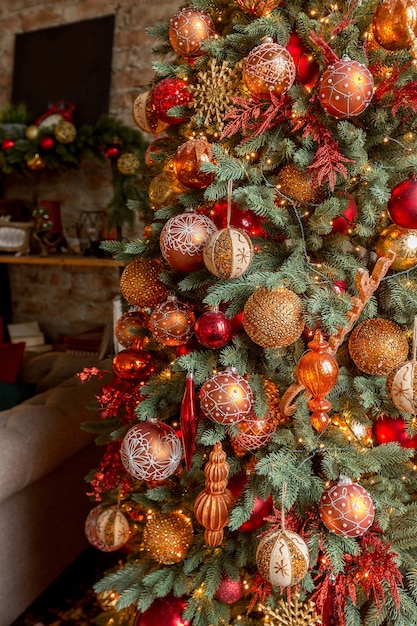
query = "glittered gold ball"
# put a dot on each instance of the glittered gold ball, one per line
(228, 253)
(140, 284)
(273, 318)
(164, 189)
(377, 346)
(128, 163)
(282, 558)
(36, 163)
(65, 132)
(268, 69)
(294, 183)
(402, 241)
(144, 115)
(168, 536)
(32, 132)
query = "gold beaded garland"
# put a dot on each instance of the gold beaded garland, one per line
(377, 346)
(140, 284)
(168, 536)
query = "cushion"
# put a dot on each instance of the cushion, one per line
(11, 355)
(14, 393)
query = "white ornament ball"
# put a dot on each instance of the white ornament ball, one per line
(282, 558)
(112, 527)
(228, 253)
(90, 530)
(402, 387)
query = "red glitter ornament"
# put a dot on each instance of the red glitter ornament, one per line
(182, 240)
(46, 143)
(213, 329)
(346, 88)
(391, 430)
(167, 611)
(188, 30)
(168, 93)
(261, 508)
(306, 67)
(402, 205)
(229, 591)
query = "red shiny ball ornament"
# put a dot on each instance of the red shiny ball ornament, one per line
(261, 508)
(172, 322)
(188, 159)
(391, 430)
(182, 240)
(343, 223)
(113, 151)
(188, 30)
(306, 67)
(129, 326)
(168, 93)
(229, 591)
(346, 88)
(46, 143)
(237, 324)
(402, 205)
(133, 364)
(226, 397)
(346, 508)
(244, 219)
(213, 329)
(7, 143)
(167, 611)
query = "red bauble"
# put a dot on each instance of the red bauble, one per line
(346, 88)
(226, 397)
(188, 30)
(172, 322)
(261, 509)
(167, 611)
(133, 364)
(213, 329)
(46, 143)
(129, 326)
(168, 93)
(346, 508)
(244, 219)
(189, 420)
(402, 205)
(7, 143)
(344, 222)
(229, 591)
(113, 151)
(307, 69)
(391, 430)
(188, 159)
(182, 240)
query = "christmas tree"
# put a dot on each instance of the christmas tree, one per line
(259, 427)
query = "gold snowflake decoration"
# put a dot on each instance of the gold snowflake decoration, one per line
(213, 93)
(293, 613)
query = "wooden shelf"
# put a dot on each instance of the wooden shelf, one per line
(59, 259)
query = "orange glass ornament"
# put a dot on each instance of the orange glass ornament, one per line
(172, 322)
(130, 326)
(133, 363)
(317, 371)
(394, 24)
(188, 159)
(212, 505)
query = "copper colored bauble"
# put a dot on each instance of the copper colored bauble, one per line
(65, 132)
(188, 30)
(402, 205)
(282, 558)
(140, 284)
(32, 132)
(243, 219)
(213, 330)
(133, 364)
(268, 69)
(377, 346)
(36, 163)
(128, 163)
(212, 505)
(168, 536)
(164, 189)
(258, 8)
(226, 397)
(228, 253)
(144, 115)
(256, 432)
(346, 508)
(393, 430)
(167, 611)
(402, 387)
(183, 238)
(168, 93)
(346, 88)
(112, 527)
(294, 184)
(403, 242)
(394, 24)
(344, 223)
(188, 159)
(90, 530)
(261, 508)
(273, 318)
(151, 451)
(306, 67)
(129, 327)
(229, 591)
(46, 143)
(172, 322)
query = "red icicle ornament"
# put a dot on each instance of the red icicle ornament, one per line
(332, 614)
(189, 420)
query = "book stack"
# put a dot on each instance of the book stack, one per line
(31, 334)
(86, 343)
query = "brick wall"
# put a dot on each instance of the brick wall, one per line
(72, 299)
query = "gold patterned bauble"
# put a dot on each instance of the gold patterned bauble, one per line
(65, 132)
(394, 24)
(128, 163)
(402, 241)
(112, 527)
(164, 189)
(294, 184)
(167, 537)
(228, 253)
(172, 322)
(273, 318)
(377, 346)
(32, 132)
(36, 163)
(258, 8)
(188, 159)
(268, 69)
(402, 387)
(183, 238)
(282, 558)
(144, 115)
(140, 284)
(346, 508)
(188, 30)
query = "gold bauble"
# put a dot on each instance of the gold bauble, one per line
(168, 536)
(402, 241)
(394, 24)
(128, 163)
(65, 132)
(377, 346)
(140, 284)
(32, 132)
(36, 163)
(164, 189)
(293, 183)
(273, 318)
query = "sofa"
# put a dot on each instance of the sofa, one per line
(44, 458)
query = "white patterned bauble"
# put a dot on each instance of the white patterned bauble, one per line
(151, 451)
(90, 530)
(282, 558)
(112, 527)
(183, 238)
(402, 387)
(228, 253)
